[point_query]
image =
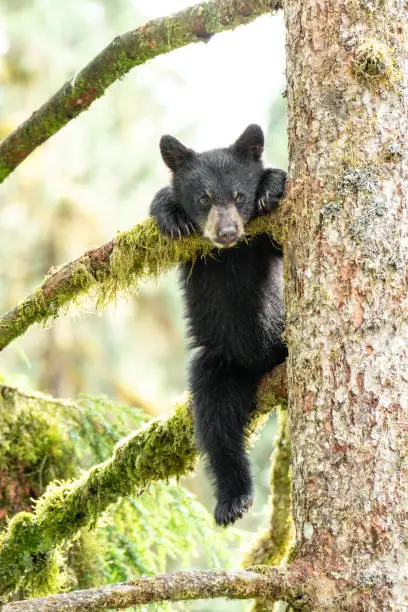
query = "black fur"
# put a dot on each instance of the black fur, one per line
(233, 298)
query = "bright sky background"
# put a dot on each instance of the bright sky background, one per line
(232, 79)
(229, 82)
(208, 94)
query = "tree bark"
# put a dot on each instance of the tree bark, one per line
(346, 258)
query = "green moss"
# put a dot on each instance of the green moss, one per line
(211, 16)
(282, 529)
(272, 546)
(4, 170)
(138, 253)
(34, 449)
(162, 449)
(44, 573)
(375, 64)
(50, 576)
(36, 446)
(269, 401)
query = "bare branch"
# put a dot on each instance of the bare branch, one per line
(106, 270)
(269, 584)
(193, 24)
(160, 450)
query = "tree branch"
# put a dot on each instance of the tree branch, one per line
(272, 546)
(193, 24)
(162, 449)
(262, 583)
(114, 267)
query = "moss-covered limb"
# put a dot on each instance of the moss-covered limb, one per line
(111, 268)
(158, 36)
(44, 439)
(11, 394)
(58, 289)
(272, 547)
(291, 585)
(162, 449)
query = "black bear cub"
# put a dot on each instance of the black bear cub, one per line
(233, 297)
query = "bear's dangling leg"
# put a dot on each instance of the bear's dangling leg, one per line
(223, 397)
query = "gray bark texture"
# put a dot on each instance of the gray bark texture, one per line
(346, 257)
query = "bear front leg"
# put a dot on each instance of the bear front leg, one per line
(171, 220)
(270, 189)
(223, 398)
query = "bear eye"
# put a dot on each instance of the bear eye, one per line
(239, 198)
(204, 199)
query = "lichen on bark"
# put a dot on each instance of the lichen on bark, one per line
(346, 257)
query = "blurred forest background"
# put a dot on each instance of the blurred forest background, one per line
(95, 177)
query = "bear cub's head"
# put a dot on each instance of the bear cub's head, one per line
(217, 189)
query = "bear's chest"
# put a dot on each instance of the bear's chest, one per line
(234, 302)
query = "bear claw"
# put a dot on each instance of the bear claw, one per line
(229, 510)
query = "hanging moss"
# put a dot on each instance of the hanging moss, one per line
(143, 252)
(114, 268)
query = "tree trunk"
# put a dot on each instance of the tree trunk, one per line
(346, 259)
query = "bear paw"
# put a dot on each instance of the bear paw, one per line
(171, 220)
(175, 225)
(227, 511)
(271, 189)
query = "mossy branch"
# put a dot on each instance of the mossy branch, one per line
(265, 583)
(162, 449)
(272, 547)
(271, 584)
(112, 268)
(158, 36)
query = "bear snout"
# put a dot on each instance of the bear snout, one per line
(224, 226)
(227, 235)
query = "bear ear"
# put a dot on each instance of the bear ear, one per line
(174, 153)
(250, 143)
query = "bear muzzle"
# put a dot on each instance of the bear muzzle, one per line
(224, 226)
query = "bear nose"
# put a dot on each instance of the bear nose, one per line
(228, 234)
